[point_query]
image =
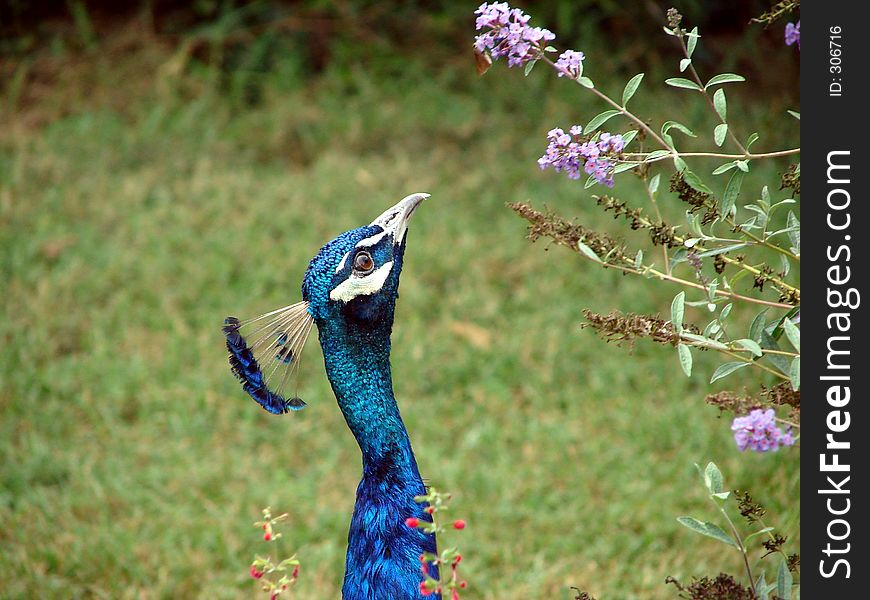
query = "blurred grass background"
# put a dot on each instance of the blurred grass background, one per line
(170, 164)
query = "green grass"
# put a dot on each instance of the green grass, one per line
(132, 463)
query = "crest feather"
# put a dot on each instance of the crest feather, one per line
(265, 353)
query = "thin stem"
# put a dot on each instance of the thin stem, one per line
(617, 106)
(787, 422)
(754, 363)
(665, 277)
(703, 91)
(747, 156)
(776, 281)
(740, 547)
(761, 241)
(652, 199)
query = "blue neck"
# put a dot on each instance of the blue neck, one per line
(383, 553)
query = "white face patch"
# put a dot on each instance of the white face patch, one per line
(341, 264)
(365, 285)
(369, 242)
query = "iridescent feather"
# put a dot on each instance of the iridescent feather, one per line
(265, 353)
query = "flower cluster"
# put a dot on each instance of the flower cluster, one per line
(273, 577)
(793, 34)
(758, 431)
(570, 63)
(571, 153)
(509, 34)
(450, 557)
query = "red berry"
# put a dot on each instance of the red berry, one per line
(295, 572)
(255, 573)
(267, 536)
(463, 585)
(423, 589)
(430, 510)
(458, 524)
(412, 522)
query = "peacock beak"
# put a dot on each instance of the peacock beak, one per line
(394, 220)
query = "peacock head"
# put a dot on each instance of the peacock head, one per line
(350, 287)
(354, 279)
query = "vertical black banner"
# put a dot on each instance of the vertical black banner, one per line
(835, 47)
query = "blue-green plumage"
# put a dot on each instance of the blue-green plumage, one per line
(350, 291)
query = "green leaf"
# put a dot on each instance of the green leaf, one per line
(684, 64)
(719, 133)
(728, 203)
(588, 251)
(585, 82)
(638, 259)
(713, 478)
(762, 589)
(795, 114)
(680, 165)
(756, 533)
(599, 120)
(685, 359)
(706, 528)
(722, 495)
(668, 125)
(724, 249)
(622, 167)
(720, 104)
(792, 333)
(706, 341)
(695, 181)
(743, 166)
(678, 310)
(724, 78)
(656, 154)
(765, 196)
(794, 233)
(752, 346)
(680, 82)
(783, 581)
(784, 264)
(725, 168)
(628, 136)
(726, 311)
(692, 41)
(631, 88)
(529, 66)
(726, 369)
(654, 183)
(753, 137)
(794, 373)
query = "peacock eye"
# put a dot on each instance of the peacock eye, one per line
(363, 263)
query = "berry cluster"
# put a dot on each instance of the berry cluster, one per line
(451, 557)
(274, 577)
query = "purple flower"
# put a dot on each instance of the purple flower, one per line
(509, 34)
(567, 152)
(758, 431)
(570, 63)
(793, 34)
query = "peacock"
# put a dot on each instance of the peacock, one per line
(349, 291)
